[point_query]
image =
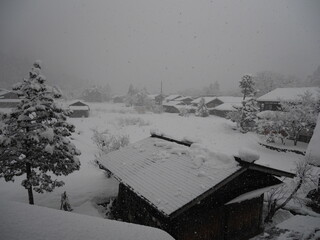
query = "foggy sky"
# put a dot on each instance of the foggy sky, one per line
(184, 43)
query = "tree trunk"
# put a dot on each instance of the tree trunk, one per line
(30, 193)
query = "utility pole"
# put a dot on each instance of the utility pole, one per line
(161, 96)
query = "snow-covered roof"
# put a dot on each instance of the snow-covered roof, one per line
(288, 94)
(29, 222)
(313, 150)
(172, 97)
(230, 99)
(182, 98)
(206, 99)
(79, 107)
(3, 91)
(227, 106)
(168, 175)
(174, 103)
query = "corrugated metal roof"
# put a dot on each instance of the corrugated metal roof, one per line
(168, 175)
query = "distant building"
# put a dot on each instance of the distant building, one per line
(210, 102)
(271, 100)
(185, 100)
(172, 97)
(118, 99)
(9, 99)
(162, 186)
(228, 104)
(79, 109)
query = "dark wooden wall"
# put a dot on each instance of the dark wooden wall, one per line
(210, 218)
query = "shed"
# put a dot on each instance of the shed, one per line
(172, 106)
(9, 99)
(79, 109)
(169, 184)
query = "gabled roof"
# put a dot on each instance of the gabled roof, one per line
(9, 95)
(288, 94)
(78, 103)
(206, 99)
(174, 104)
(183, 98)
(230, 99)
(172, 177)
(228, 106)
(167, 174)
(172, 97)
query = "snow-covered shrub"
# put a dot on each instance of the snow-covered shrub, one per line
(300, 115)
(107, 142)
(184, 112)
(130, 121)
(272, 124)
(35, 137)
(202, 110)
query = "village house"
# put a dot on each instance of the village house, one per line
(271, 100)
(228, 104)
(9, 99)
(79, 109)
(172, 106)
(185, 100)
(118, 98)
(172, 97)
(164, 183)
(210, 102)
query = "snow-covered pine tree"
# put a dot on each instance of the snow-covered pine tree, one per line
(247, 86)
(34, 138)
(202, 110)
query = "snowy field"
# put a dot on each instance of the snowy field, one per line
(90, 185)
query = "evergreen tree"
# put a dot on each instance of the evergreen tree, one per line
(202, 110)
(247, 86)
(34, 138)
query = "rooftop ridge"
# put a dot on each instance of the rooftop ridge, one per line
(185, 143)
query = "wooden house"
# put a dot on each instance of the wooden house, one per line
(271, 100)
(172, 97)
(228, 104)
(9, 99)
(163, 184)
(79, 109)
(185, 100)
(172, 106)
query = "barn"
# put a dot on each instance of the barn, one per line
(79, 109)
(9, 99)
(171, 185)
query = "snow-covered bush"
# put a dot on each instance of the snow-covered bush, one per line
(273, 126)
(202, 110)
(184, 112)
(300, 115)
(35, 137)
(107, 142)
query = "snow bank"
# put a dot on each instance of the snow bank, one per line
(313, 150)
(248, 155)
(301, 224)
(21, 221)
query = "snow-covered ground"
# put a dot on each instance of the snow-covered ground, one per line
(89, 186)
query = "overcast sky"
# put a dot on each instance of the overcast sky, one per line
(184, 43)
